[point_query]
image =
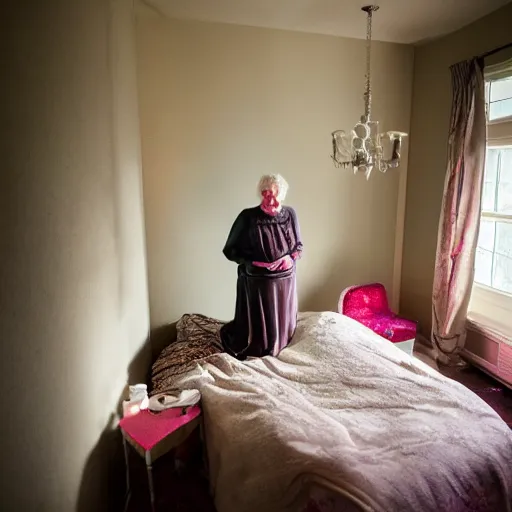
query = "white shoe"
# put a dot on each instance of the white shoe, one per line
(163, 401)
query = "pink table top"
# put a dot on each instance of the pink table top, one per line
(148, 428)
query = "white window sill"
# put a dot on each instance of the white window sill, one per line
(500, 120)
(490, 310)
(499, 132)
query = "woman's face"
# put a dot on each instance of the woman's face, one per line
(270, 196)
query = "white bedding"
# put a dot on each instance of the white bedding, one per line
(343, 407)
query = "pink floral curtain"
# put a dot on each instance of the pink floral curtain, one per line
(460, 214)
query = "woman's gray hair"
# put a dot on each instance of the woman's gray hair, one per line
(269, 180)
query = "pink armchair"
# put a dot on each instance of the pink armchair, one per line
(368, 304)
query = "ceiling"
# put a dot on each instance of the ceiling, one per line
(401, 21)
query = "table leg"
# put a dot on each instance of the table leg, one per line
(204, 452)
(149, 468)
(127, 468)
(202, 440)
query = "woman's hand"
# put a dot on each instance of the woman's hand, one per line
(280, 265)
(284, 263)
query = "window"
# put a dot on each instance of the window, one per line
(491, 300)
(493, 266)
(498, 95)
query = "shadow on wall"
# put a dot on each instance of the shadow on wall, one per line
(103, 484)
(103, 480)
(161, 337)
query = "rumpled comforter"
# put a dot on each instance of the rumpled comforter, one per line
(343, 408)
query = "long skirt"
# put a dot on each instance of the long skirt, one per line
(265, 313)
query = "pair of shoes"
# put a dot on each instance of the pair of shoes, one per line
(163, 401)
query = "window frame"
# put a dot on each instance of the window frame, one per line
(492, 74)
(489, 306)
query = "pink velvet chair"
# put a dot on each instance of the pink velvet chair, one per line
(368, 304)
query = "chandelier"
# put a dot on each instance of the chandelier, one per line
(363, 148)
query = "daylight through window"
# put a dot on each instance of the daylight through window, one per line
(493, 266)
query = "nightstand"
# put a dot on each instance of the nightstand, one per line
(155, 434)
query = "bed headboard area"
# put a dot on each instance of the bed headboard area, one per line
(160, 338)
(176, 348)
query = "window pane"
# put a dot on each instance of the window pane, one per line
(486, 236)
(499, 109)
(483, 267)
(501, 89)
(488, 197)
(505, 198)
(490, 180)
(505, 183)
(502, 279)
(504, 239)
(491, 165)
(487, 98)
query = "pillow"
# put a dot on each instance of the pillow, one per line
(198, 338)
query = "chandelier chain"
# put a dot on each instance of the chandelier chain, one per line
(368, 91)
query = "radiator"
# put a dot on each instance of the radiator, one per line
(490, 351)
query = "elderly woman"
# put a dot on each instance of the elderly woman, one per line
(265, 242)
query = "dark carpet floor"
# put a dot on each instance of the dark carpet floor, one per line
(185, 490)
(494, 393)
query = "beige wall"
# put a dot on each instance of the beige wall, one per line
(221, 105)
(428, 151)
(73, 295)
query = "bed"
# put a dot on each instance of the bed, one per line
(341, 420)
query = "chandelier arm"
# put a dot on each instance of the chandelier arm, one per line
(394, 160)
